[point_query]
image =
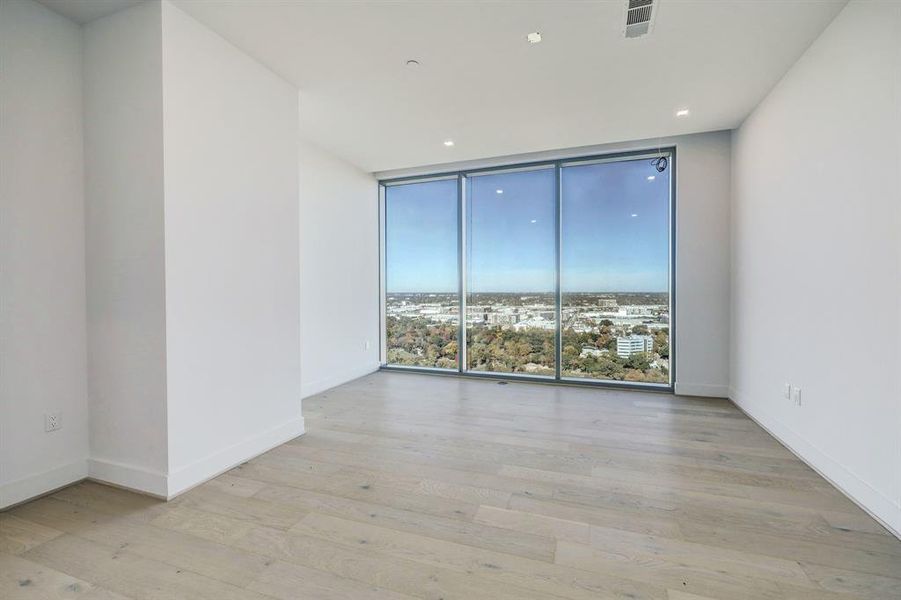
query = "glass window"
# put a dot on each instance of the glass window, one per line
(421, 274)
(615, 271)
(564, 271)
(511, 272)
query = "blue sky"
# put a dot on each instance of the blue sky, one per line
(511, 233)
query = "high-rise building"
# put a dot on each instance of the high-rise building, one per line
(628, 345)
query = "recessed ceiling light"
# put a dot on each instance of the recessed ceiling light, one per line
(634, 215)
(412, 63)
(499, 191)
(652, 177)
(448, 143)
(534, 37)
(534, 220)
(683, 112)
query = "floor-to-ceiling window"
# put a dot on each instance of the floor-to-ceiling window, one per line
(422, 312)
(511, 238)
(615, 271)
(563, 270)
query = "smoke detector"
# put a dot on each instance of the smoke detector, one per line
(639, 18)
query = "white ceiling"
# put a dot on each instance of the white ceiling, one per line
(84, 11)
(481, 84)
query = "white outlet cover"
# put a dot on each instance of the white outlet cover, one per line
(52, 422)
(796, 396)
(787, 393)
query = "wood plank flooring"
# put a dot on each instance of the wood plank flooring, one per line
(409, 486)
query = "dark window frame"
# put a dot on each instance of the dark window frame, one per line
(557, 164)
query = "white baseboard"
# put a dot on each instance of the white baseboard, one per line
(147, 481)
(181, 479)
(130, 477)
(702, 389)
(326, 383)
(21, 490)
(872, 501)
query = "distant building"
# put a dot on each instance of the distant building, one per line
(476, 314)
(502, 318)
(633, 344)
(592, 351)
(535, 322)
(607, 303)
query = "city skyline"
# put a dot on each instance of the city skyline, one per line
(613, 336)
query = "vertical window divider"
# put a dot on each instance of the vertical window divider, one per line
(558, 249)
(383, 276)
(461, 273)
(673, 232)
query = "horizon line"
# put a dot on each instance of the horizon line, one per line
(539, 293)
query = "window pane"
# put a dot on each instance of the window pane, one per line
(511, 276)
(615, 271)
(421, 274)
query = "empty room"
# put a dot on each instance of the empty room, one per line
(450, 299)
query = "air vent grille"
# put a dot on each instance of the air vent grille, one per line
(633, 4)
(639, 14)
(639, 11)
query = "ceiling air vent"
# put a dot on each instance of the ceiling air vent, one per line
(639, 17)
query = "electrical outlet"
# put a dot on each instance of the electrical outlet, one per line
(52, 421)
(787, 392)
(796, 396)
(365, 344)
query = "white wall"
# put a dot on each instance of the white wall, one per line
(193, 268)
(182, 356)
(182, 217)
(817, 257)
(338, 270)
(232, 245)
(702, 249)
(42, 309)
(125, 247)
(703, 182)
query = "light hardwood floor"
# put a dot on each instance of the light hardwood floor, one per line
(410, 486)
